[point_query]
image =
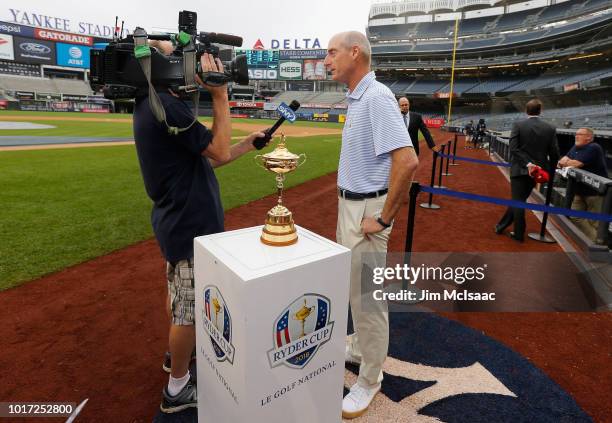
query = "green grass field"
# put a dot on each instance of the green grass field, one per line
(118, 129)
(62, 207)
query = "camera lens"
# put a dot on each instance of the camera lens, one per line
(238, 70)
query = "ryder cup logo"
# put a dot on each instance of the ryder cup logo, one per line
(218, 324)
(300, 330)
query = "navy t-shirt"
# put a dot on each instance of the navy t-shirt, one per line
(593, 158)
(179, 180)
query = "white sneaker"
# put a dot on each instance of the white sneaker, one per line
(349, 356)
(357, 401)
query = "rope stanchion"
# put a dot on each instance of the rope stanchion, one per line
(519, 204)
(484, 162)
(455, 150)
(430, 204)
(541, 237)
(415, 188)
(441, 167)
(446, 173)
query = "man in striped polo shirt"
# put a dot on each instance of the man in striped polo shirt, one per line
(377, 164)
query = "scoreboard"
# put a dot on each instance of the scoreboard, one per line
(260, 59)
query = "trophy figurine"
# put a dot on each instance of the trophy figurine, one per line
(279, 229)
(301, 315)
(217, 308)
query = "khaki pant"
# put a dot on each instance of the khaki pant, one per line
(370, 341)
(591, 203)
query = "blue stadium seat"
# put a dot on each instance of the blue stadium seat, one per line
(473, 26)
(441, 29)
(524, 36)
(480, 43)
(433, 47)
(558, 11)
(514, 20)
(424, 86)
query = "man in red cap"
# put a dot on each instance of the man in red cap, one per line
(533, 144)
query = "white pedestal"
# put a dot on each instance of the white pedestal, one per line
(253, 363)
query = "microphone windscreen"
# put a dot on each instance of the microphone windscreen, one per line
(227, 39)
(294, 105)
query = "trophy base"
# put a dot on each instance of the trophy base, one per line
(279, 230)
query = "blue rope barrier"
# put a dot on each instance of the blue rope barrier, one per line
(467, 159)
(518, 204)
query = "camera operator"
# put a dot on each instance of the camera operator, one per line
(178, 176)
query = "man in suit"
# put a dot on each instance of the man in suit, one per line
(414, 123)
(533, 143)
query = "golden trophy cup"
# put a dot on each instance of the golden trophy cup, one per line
(279, 229)
(301, 315)
(217, 307)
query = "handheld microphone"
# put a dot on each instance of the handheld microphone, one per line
(260, 143)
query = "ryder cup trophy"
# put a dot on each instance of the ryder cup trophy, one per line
(279, 229)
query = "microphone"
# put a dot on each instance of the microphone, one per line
(217, 37)
(260, 143)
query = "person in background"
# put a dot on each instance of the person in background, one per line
(414, 123)
(480, 131)
(533, 143)
(586, 155)
(469, 133)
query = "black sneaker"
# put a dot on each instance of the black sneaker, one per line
(167, 365)
(187, 398)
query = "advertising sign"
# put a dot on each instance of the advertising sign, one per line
(6, 47)
(302, 54)
(64, 37)
(24, 95)
(434, 122)
(247, 104)
(290, 69)
(314, 70)
(29, 50)
(48, 96)
(57, 23)
(72, 55)
(300, 86)
(263, 73)
(295, 43)
(15, 29)
(74, 97)
(571, 87)
(444, 95)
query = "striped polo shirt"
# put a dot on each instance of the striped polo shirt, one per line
(372, 130)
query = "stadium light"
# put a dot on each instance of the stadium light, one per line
(468, 68)
(502, 66)
(543, 62)
(586, 56)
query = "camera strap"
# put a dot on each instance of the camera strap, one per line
(143, 55)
